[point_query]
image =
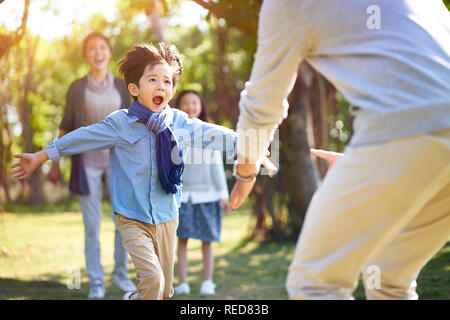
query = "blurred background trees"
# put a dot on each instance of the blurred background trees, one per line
(35, 74)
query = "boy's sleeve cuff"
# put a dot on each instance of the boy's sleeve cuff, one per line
(233, 152)
(52, 151)
(224, 194)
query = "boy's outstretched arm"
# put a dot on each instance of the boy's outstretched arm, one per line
(54, 174)
(101, 135)
(28, 164)
(204, 135)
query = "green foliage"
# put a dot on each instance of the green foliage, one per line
(447, 4)
(340, 124)
(196, 48)
(59, 62)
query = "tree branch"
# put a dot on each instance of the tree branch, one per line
(23, 25)
(7, 41)
(206, 5)
(214, 8)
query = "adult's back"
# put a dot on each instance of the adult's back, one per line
(384, 56)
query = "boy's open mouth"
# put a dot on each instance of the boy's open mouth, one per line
(158, 100)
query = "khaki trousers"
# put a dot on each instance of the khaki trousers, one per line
(383, 210)
(152, 250)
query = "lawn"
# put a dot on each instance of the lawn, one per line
(40, 250)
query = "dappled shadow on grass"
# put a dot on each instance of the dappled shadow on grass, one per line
(259, 273)
(434, 280)
(36, 289)
(252, 271)
(248, 271)
(52, 287)
(72, 205)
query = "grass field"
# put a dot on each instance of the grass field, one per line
(39, 250)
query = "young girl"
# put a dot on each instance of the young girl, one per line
(204, 195)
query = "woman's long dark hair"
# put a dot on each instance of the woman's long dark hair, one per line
(204, 113)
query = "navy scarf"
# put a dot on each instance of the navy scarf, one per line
(159, 122)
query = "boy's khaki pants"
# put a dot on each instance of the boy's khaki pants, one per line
(152, 250)
(383, 210)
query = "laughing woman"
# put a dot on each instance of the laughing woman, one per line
(89, 100)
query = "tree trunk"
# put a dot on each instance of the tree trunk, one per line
(264, 191)
(223, 98)
(259, 210)
(295, 155)
(2, 164)
(319, 114)
(35, 195)
(154, 16)
(5, 153)
(297, 176)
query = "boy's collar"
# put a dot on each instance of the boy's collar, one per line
(133, 118)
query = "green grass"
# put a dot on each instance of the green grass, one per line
(37, 250)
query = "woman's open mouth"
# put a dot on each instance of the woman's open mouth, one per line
(158, 100)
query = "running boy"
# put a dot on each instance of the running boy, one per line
(145, 143)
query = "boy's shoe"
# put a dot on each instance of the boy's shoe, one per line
(124, 284)
(97, 291)
(183, 288)
(129, 295)
(208, 288)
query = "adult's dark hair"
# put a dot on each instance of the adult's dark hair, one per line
(93, 35)
(204, 113)
(133, 64)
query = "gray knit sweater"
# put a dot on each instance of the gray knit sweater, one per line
(390, 59)
(204, 176)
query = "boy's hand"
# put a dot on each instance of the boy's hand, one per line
(242, 189)
(28, 163)
(225, 205)
(330, 156)
(54, 174)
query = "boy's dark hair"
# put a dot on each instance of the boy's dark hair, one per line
(204, 113)
(132, 65)
(93, 35)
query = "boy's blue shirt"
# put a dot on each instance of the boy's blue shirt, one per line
(135, 188)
